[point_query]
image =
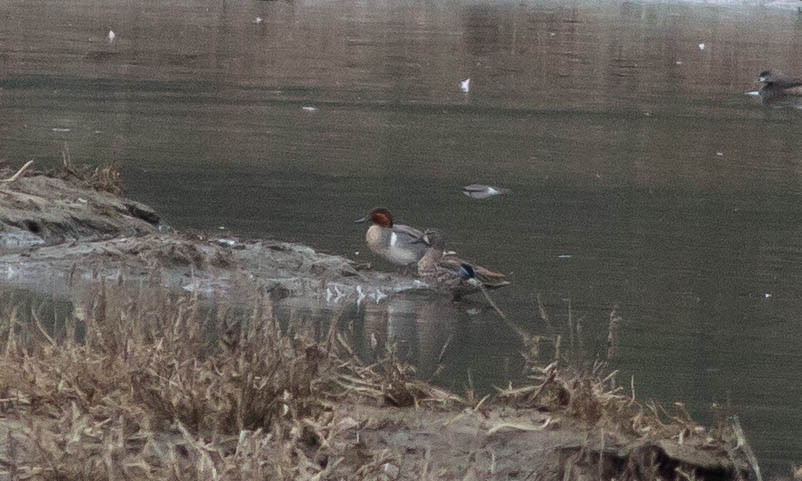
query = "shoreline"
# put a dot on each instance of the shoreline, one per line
(562, 426)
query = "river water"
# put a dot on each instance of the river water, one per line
(642, 176)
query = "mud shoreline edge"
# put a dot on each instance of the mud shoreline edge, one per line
(564, 426)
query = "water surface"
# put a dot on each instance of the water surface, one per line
(642, 177)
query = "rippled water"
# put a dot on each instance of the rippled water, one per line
(641, 174)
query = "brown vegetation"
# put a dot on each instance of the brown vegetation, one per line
(150, 385)
(102, 178)
(144, 388)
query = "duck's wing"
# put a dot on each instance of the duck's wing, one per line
(489, 279)
(785, 82)
(796, 90)
(407, 233)
(405, 245)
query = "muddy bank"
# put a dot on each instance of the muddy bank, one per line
(143, 393)
(40, 210)
(58, 233)
(211, 267)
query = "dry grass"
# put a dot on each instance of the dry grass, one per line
(144, 384)
(627, 439)
(103, 178)
(161, 386)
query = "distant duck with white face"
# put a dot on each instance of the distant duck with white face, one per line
(777, 86)
(397, 243)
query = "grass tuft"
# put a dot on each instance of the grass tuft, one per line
(141, 386)
(102, 178)
(145, 384)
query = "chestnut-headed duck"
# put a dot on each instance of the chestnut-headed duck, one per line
(397, 243)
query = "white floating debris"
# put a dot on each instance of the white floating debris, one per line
(701, 46)
(465, 85)
(57, 129)
(753, 93)
(767, 295)
(309, 108)
(258, 20)
(719, 154)
(678, 62)
(329, 295)
(481, 191)
(221, 227)
(379, 295)
(111, 36)
(565, 256)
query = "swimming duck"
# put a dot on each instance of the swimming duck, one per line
(776, 86)
(446, 270)
(398, 243)
(481, 191)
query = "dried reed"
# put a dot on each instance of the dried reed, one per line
(147, 384)
(152, 385)
(103, 178)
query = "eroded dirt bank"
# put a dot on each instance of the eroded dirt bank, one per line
(132, 387)
(55, 233)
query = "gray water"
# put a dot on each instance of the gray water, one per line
(642, 177)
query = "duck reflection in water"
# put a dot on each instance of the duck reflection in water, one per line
(426, 331)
